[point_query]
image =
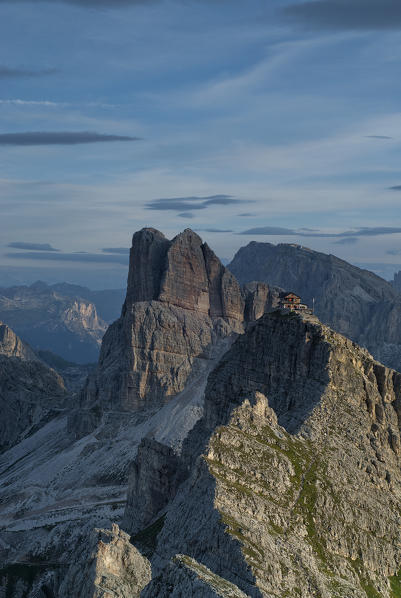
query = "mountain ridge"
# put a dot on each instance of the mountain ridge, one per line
(355, 302)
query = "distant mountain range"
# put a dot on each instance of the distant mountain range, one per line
(65, 319)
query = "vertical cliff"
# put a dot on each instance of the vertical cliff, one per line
(29, 390)
(181, 302)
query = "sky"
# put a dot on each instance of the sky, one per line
(264, 121)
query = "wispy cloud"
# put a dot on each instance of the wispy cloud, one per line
(9, 72)
(395, 188)
(193, 202)
(213, 230)
(346, 14)
(59, 138)
(32, 246)
(70, 257)
(378, 137)
(119, 250)
(346, 241)
(87, 3)
(358, 232)
(51, 104)
(186, 215)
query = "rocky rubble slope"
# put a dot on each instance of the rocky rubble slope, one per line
(355, 302)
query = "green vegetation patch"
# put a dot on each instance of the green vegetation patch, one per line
(364, 580)
(395, 585)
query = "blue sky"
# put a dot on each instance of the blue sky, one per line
(272, 121)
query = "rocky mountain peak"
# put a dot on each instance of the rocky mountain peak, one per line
(181, 306)
(183, 272)
(12, 346)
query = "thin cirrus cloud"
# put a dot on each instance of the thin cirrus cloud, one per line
(92, 258)
(378, 137)
(32, 246)
(185, 205)
(213, 230)
(186, 215)
(86, 3)
(59, 138)
(358, 232)
(346, 241)
(116, 250)
(346, 14)
(8, 72)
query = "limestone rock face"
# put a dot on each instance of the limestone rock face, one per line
(183, 272)
(396, 282)
(107, 566)
(297, 489)
(186, 577)
(147, 258)
(181, 302)
(12, 346)
(352, 301)
(259, 299)
(29, 390)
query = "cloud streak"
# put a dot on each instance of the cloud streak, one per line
(8, 72)
(71, 257)
(59, 138)
(32, 246)
(118, 250)
(213, 230)
(346, 14)
(378, 137)
(86, 3)
(187, 204)
(289, 232)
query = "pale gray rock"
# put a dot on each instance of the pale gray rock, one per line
(186, 577)
(107, 566)
(29, 390)
(12, 346)
(155, 476)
